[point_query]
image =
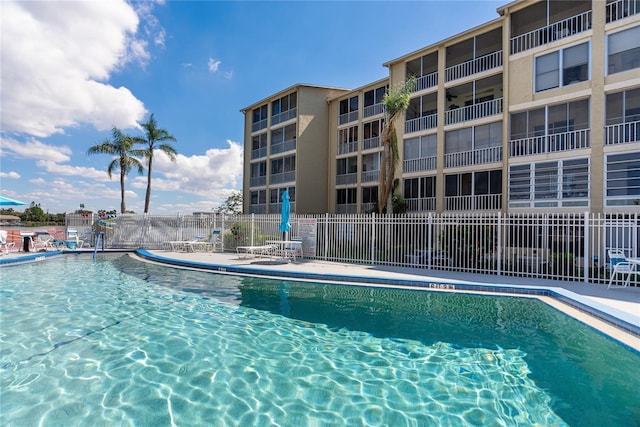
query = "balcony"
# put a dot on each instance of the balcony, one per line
(474, 111)
(370, 176)
(258, 209)
(281, 147)
(258, 181)
(419, 165)
(553, 32)
(421, 123)
(279, 178)
(371, 143)
(426, 81)
(482, 202)
(351, 116)
(259, 125)
(622, 133)
(347, 208)
(277, 207)
(420, 205)
(551, 143)
(620, 9)
(347, 147)
(372, 110)
(259, 153)
(346, 178)
(474, 66)
(284, 116)
(473, 157)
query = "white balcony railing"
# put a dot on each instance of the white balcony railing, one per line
(550, 33)
(482, 202)
(284, 116)
(370, 176)
(279, 178)
(371, 143)
(574, 140)
(419, 165)
(621, 9)
(346, 208)
(281, 147)
(259, 125)
(473, 112)
(421, 123)
(351, 116)
(258, 153)
(622, 133)
(346, 178)
(426, 81)
(257, 181)
(474, 66)
(419, 205)
(473, 157)
(372, 110)
(258, 209)
(347, 147)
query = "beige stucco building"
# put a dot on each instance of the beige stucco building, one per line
(535, 111)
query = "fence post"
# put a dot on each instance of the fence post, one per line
(585, 250)
(253, 225)
(499, 245)
(326, 235)
(373, 238)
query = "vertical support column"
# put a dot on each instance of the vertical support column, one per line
(326, 235)
(373, 237)
(499, 245)
(253, 226)
(586, 259)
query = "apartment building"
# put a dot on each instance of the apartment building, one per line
(537, 110)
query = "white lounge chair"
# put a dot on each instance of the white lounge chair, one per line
(72, 235)
(251, 251)
(4, 243)
(43, 241)
(619, 264)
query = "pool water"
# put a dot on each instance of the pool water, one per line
(121, 342)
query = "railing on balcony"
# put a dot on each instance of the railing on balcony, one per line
(347, 208)
(372, 110)
(371, 143)
(281, 147)
(258, 153)
(284, 116)
(258, 209)
(481, 202)
(277, 207)
(473, 112)
(419, 165)
(368, 207)
(621, 9)
(474, 66)
(622, 133)
(346, 178)
(473, 157)
(426, 81)
(565, 141)
(279, 178)
(257, 181)
(259, 125)
(370, 176)
(421, 123)
(556, 31)
(347, 147)
(351, 116)
(419, 205)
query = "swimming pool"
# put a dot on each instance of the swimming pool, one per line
(122, 342)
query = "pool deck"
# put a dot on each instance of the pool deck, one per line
(618, 308)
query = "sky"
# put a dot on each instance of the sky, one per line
(70, 71)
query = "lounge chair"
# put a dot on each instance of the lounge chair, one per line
(43, 241)
(619, 264)
(72, 237)
(4, 243)
(252, 251)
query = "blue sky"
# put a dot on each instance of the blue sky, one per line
(70, 71)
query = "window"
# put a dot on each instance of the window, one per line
(458, 140)
(562, 68)
(622, 179)
(347, 165)
(623, 49)
(549, 120)
(284, 108)
(346, 196)
(489, 135)
(623, 107)
(419, 188)
(259, 114)
(259, 197)
(348, 110)
(258, 169)
(369, 194)
(373, 97)
(275, 194)
(420, 148)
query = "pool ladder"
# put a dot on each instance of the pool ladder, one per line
(99, 240)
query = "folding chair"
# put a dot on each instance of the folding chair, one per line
(619, 264)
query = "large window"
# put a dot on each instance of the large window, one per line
(623, 107)
(284, 108)
(369, 195)
(348, 140)
(258, 174)
(550, 120)
(562, 67)
(259, 145)
(549, 184)
(348, 110)
(347, 165)
(275, 194)
(283, 139)
(420, 148)
(473, 138)
(623, 49)
(373, 97)
(346, 196)
(420, 193)
(622, 179)
(259, 118)
(259, 197)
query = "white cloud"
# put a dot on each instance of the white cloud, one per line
(34, 149)
(214, 64)
(56, 58)
(10, 175)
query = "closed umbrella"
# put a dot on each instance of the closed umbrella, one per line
(285, 227)
(5, 201)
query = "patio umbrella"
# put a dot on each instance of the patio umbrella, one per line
(285, 227)
(5, 201)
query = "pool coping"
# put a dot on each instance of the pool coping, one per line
(28, 257)
(609, 315)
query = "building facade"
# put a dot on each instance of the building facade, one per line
(535, 111)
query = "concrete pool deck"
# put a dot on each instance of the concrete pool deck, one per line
(615, 311)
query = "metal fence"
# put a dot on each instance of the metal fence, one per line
(553, 246)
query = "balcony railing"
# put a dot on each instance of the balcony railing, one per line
(281, 147)
(258, 153)
(277, 207)
(372, 110)
(556, 31)
(284, 116)
(371, 143)
(347, 208)
(346, 178)
(473, 157)
(621, 9)
(419, 165)
(565, 141)
(473, 112)
(426, 81)
(347, 147)
(279, 178)
(419, 205)
(421, 123)
(257, 181)
(351, 116)
(258, 209)
(474, 66)
(482, 202)
(256, 126)
(370, 176)
(622, 133)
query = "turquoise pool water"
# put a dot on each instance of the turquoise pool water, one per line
(121, 342)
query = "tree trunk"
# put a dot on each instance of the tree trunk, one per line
(123, 208)
(147, 198)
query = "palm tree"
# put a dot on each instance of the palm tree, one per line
(395, 102)
(153, 136)
(121, 146)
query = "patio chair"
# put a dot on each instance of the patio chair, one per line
(619, 264)
(43, 241)
(72, 237)
(4, 243)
